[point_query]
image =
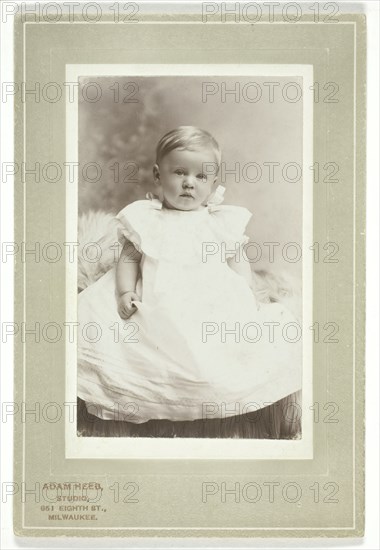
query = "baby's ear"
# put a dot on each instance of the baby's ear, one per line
(156, 173)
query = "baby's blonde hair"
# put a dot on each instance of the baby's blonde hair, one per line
(189, 138)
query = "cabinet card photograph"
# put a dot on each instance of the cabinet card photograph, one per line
(189, 252)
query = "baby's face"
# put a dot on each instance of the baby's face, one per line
(187, 177)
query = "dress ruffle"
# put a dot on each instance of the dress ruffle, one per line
(182, 236)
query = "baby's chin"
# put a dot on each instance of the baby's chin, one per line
(185, 205)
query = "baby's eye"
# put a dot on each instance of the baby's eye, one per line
(202, 177)
(179, 172)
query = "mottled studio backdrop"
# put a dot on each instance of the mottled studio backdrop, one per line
(122, 118)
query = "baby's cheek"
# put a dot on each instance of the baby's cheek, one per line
(170, 188)
(206, 194)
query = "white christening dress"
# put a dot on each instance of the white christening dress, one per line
(199, 340)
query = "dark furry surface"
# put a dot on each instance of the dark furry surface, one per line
(282, 420)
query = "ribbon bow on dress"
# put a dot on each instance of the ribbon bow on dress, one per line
(156, 203)
(216, 198)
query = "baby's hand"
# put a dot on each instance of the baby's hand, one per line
(125, 308)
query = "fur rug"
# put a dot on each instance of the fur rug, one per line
(282, 420)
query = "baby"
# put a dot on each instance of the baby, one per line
(197, 334)
(185, 174)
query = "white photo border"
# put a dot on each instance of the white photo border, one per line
(191, 448)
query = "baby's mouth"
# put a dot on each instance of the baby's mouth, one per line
(187, 195)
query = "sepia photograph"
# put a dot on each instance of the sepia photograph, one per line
(190, 267)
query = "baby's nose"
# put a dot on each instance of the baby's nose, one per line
(188, 182)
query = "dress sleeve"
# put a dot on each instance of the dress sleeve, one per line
(230, 224)
(138, 223)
